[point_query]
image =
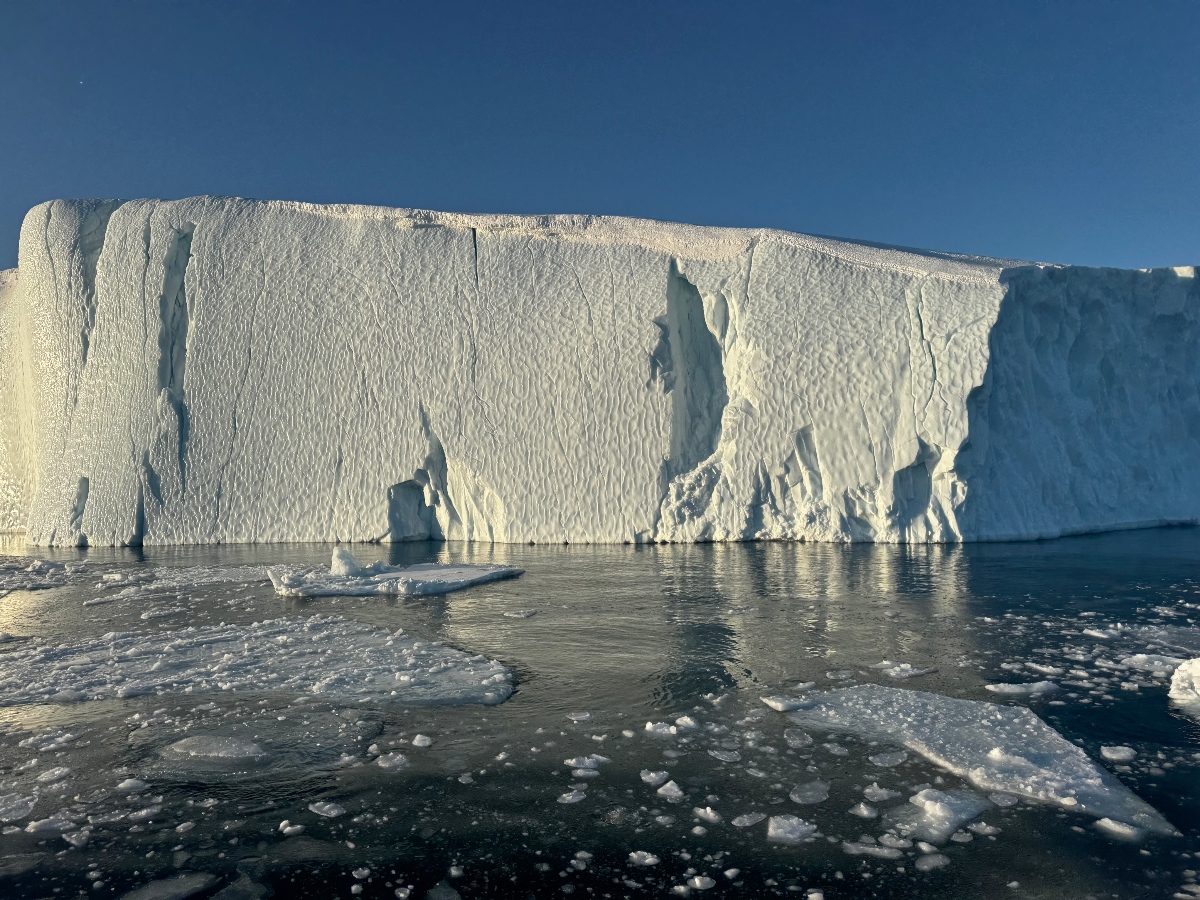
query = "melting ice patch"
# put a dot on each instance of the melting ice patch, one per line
(23, 574)
(323, 655)
(996, 748)
(347, 578)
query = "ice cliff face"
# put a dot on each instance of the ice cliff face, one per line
(217, 370)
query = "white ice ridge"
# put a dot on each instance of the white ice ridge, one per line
(320, 655)
(996, 748)
(222, 370)
(346, 577)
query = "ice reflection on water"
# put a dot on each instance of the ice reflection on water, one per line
(626, 635)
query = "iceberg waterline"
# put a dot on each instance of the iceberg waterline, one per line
(220, 370)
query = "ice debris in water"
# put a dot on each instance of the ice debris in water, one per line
(787, 829)
(796, 738)
(326, 809)
(887, 760)
(16, 806)
(811, 792)
(323, 655)
(643, 858)
(1122, 831)
(1185, 683)
(1154, 663)
(1118, 754)
(786, 704)
(1020, 690)
(422, 740)
(21, 574)
(347, 578)
(901, 670)
(932, 815)
(177, 888)
(747, 819)
(392, 762)
(654, 779)
(670, 791)
(875, 793)
(996, 748)
(216, 747)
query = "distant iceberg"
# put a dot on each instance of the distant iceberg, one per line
(217, 370)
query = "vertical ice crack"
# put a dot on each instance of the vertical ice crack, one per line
(174, 317)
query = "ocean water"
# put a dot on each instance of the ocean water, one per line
(117, 779)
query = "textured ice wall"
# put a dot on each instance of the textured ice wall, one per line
(225, 370)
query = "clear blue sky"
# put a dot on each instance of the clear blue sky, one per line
(1062, 131)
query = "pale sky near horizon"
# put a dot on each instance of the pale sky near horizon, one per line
(1059, 131)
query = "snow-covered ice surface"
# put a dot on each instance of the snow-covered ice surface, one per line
(217, 370)
(345, 577)
(253, 782)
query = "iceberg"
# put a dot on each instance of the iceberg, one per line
(995, 748)
(217, 370)
(347, 578)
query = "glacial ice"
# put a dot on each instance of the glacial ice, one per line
(996, 748)
(322, 655)
(216, 370)
(347, 578)
(1185, 684)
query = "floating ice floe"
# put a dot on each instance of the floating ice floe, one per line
(787, 829)
(811, 792)
(1034, 688)
(346, 578)
(996, 748)
(18, 573)
(323, 655)
(1176, 637)
(1154, 663)
(901, 670)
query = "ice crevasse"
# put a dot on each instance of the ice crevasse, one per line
(223, 370)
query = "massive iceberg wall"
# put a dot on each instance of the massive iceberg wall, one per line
(222, 370)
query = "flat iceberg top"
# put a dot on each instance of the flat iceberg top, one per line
(697, 241)
(996, 748)
(346, 578)
(322, 655)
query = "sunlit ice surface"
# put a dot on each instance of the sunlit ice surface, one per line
(173, 727)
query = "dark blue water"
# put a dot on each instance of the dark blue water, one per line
(627, 635)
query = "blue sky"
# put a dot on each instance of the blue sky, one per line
(1053, 130)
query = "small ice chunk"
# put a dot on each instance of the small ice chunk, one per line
(643, 858)
(728, 756)
(816, 791)
(1034, 688)
(875, 793)
(1122, 831)
(132, 786)
(1185, 683)
(1153, 663)
(890, 840)
(796, 738)
(864, 811)
(579, 716)
(670, 791)
(932, 815)
(660, 728)
(58, 773)
(572, 796)
(707, 814)
(888, 760)
(392, 762)
(1118, 754)
(145, 814)
(60, 821)
(732, 873)
(16, 806)
(700, 882)
(686, 723)
(592, 761)
(1003, 800)
(520, 613)
(327, 809)
(857, 848)
(901, 670)
(787, 829)
(931, 861)
(422, 740)
(781, 703)
(288, 829)
(983, 828)
(654, 779)
(747, 819)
